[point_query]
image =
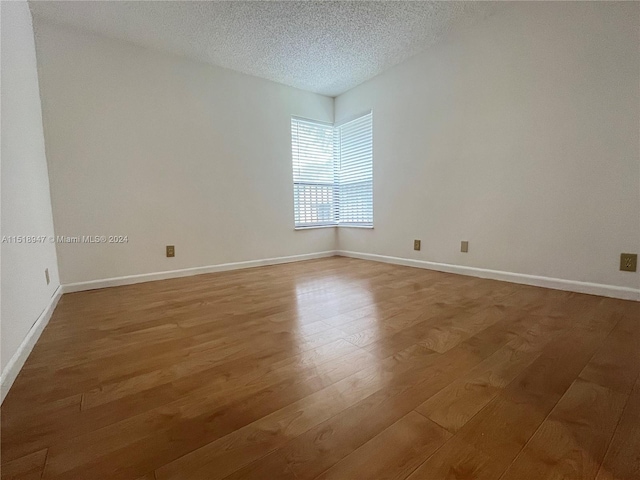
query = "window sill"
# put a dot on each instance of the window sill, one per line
(311, 227)
(370, 227)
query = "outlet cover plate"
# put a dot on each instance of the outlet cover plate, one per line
(628, 262)
(416, 244)
(464, 246)
(171, 251)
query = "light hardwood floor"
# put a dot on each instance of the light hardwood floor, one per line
(334, 369)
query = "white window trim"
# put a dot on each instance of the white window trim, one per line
(337, 225)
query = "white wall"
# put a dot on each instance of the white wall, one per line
(26, 205)
(520, 136)
(169, 152)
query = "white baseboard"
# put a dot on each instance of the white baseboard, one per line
(11, 371)
(613, 291)
(186, 272)
(16, 363)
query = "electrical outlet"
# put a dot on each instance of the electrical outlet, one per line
(416, 244)
(46, 275)
(628, 262)
(464, 246)
(171, 251)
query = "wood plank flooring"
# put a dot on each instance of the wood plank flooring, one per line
(332, 369)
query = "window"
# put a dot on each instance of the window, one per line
(354, 153)
(332, 173)
(314, 173)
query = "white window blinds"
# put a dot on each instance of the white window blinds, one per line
(314, 173)
(332, 173)
(354, 152)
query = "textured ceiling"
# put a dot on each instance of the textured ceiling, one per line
(320, 46)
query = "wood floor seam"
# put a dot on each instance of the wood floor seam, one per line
(551, 410)
(615, 430)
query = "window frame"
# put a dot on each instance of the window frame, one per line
(333, 184)
(338, 126)
(336, 177)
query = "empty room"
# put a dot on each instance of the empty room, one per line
(352, 240)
